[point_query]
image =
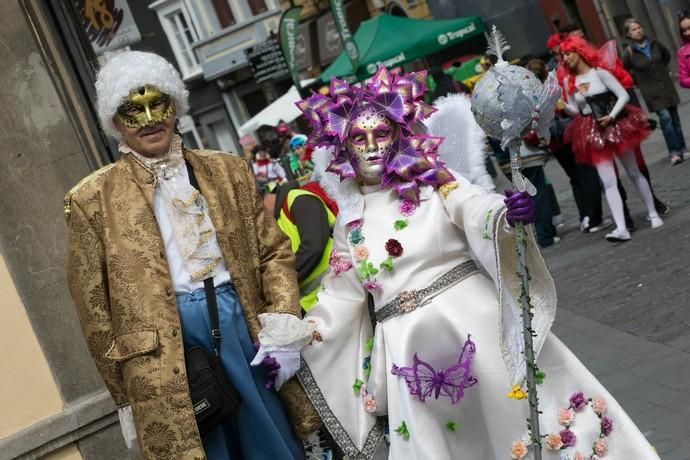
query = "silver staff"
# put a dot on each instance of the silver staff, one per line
(508, 102)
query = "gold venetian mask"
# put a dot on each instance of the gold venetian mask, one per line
(145, 107)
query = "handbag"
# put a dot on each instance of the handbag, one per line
(602, 103)
(214, 398)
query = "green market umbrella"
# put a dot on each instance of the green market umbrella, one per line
(394, 40)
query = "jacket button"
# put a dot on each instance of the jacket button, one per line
(176, 370)
(168, 291)
(149, 180)
(162, 254)
(174, 332)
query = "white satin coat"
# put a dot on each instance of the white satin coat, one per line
(441, 234)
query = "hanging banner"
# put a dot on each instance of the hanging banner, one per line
(109, 24)
(288, 30)
(338, 10)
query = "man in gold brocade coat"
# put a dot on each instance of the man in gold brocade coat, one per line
(142, 240)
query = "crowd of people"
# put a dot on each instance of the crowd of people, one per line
(600, 122)
(313, 278)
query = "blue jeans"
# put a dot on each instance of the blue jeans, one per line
(261, 429)
(672, 130)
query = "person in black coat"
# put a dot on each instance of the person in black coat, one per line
(647, 60)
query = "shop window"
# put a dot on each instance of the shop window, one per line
(182, 35)
(224, 13)
(257, 6)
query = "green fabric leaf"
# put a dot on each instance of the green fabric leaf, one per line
(539, 377)
(387, 264)
(357, 386)
(403, 431)
(400, 224)
(450, 426)
(370, 344)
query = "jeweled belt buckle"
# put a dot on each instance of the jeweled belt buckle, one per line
(407, 301)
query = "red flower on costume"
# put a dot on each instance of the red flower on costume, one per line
(394, 248)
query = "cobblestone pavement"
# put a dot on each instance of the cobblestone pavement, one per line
(624, 308)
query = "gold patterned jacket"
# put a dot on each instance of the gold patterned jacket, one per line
(119, 279)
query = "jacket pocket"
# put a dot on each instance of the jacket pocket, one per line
(128, 345)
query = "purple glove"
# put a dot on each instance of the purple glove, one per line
(520, 206)
(271, 366)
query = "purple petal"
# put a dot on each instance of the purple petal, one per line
(391, 103)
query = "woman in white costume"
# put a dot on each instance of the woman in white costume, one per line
(437, 255)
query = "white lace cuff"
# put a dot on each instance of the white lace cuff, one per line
(284, 331)
(129, 431)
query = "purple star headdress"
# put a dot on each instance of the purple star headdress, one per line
(411, 161)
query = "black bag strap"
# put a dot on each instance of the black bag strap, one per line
(208, 283)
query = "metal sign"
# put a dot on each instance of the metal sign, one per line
(109, 24)
(267, 61)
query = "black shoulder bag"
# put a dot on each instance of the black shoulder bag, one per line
(602, 104)
(214, 398)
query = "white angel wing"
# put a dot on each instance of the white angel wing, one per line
(463, 149)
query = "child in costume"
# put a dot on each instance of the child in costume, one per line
(443, 343)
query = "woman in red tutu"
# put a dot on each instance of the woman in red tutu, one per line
(605, 127)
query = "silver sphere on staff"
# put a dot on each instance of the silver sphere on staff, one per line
(488, 111)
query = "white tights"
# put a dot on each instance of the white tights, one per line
(607, 174)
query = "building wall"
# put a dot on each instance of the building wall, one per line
(521, 21)
(28, 391)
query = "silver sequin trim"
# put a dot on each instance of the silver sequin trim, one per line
(408, 301)
(332, 423)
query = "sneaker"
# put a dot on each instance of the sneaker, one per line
(676, 159)
(606, 223)
(656, 221)
(686, 155)
(557, 221)
(618, 236)
(584, 225)
(663, 208)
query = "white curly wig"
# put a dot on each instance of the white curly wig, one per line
(130, 70)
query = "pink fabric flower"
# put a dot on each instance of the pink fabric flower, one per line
(407, 207)
(371, 285)
(354, 224)
(369, 403)
(518, 450)
(553, 442)
(600, 447)
(338, 264)
(599, 405)
(361, 252)
(566, 416)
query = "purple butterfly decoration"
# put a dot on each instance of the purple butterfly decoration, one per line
(424, 381)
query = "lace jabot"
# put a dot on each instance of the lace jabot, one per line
(187, 210)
